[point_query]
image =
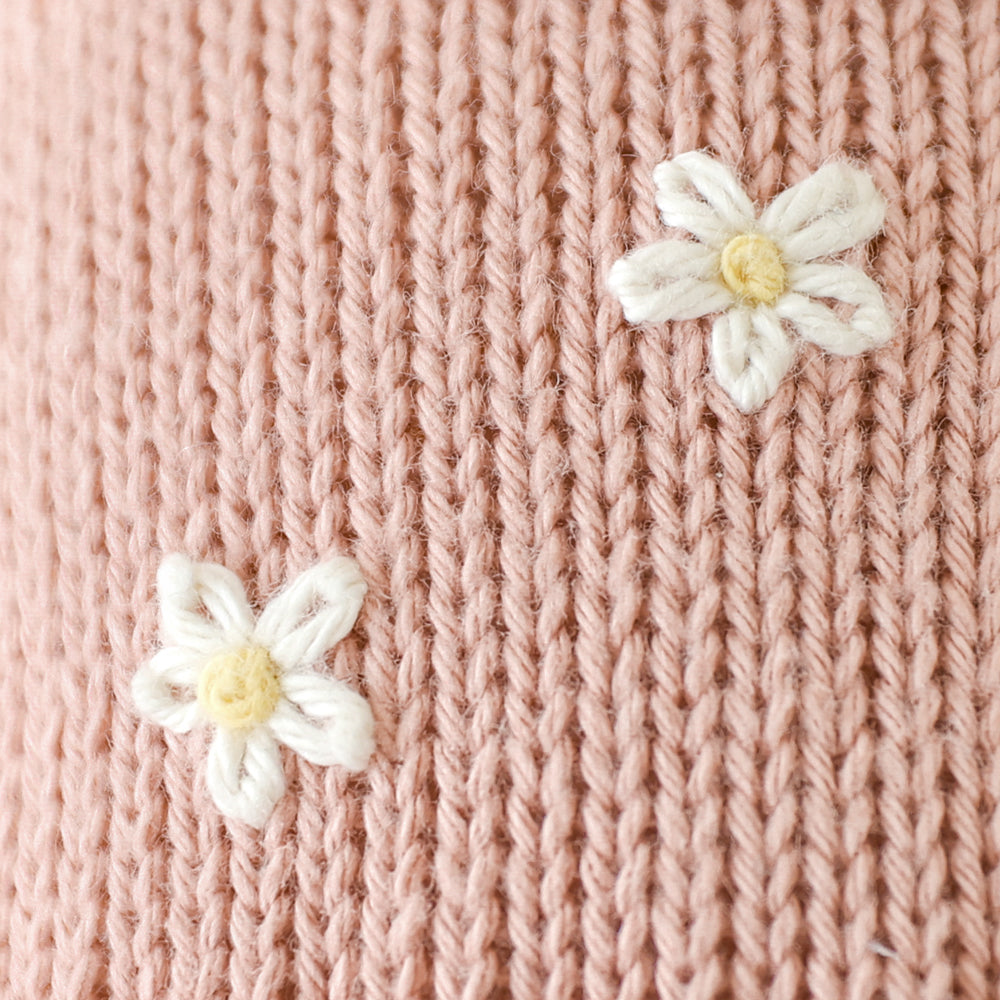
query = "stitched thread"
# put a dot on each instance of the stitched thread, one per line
(240, 688)
(751, 266)
(253, 679)
(760, 274)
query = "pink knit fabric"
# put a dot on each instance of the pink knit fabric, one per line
(670, 701)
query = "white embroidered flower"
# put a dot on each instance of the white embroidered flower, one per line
(253, 680)
(758, 272)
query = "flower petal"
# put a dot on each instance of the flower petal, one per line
(312, 614)
(869, 326)
(324, 720)
(201, 604)
(699, 194)
(177, 665)
(244, 774)
(162, 691)
(671, 279)
(830, 211)
(750, 355)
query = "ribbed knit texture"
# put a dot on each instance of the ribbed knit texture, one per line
(670, 701)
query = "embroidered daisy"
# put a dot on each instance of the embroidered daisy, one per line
(762, 274)
(254, 680)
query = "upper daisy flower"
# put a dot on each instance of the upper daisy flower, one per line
(253, 680)
(759, 272)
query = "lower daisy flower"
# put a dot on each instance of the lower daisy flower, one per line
(760, 273)
(254, 680)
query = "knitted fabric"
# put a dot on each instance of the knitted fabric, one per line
(669, 700)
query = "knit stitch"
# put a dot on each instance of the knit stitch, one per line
(669, 700)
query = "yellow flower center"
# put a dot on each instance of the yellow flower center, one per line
(751, 266)
(239, 688)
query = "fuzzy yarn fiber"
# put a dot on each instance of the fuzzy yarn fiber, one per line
(671, 701)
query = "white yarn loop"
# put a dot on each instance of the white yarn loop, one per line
(699, 194)
(178, 666)
(669, 280)
(244, 776)
(158, 701)
(750, 355)
(205, 616)
(869, 325)
(836, 208)
(325, 721)
(313, 613)
(200, 601)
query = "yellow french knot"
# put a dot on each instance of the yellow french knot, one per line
(239, 688)
(752, 267)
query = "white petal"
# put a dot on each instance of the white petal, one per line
(312, 614)
(324, 720)
(177, 665)
(750, 355)
(699, 194)
(201, 604)
(869, 326)
(830, 211)
(671, 279)
(244, 774)
(162, 693)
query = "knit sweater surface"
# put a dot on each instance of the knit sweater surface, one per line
(670, 700)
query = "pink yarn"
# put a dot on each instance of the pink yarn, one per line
(670, 701)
